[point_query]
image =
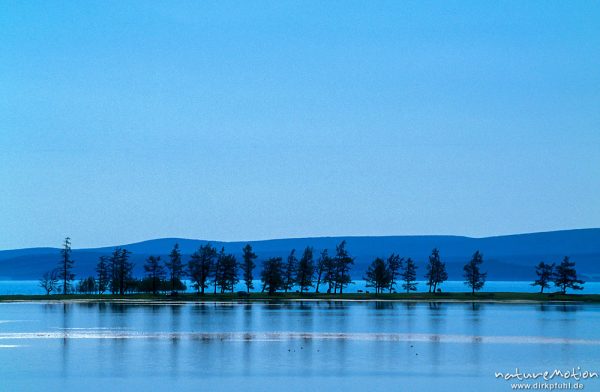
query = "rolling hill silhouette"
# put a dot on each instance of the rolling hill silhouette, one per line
(510, 257)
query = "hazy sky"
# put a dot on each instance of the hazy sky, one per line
(127, 121)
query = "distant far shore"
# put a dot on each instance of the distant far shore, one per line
(511, 297)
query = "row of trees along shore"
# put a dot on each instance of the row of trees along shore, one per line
(209, 266)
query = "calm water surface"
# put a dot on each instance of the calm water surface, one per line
(294, 346)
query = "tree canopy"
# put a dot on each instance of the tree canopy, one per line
(436, 271)
(474, 278)
(565, 276)
(378, 275)
(545, 272)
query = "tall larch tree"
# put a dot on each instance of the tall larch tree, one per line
(103, 274)
(323, 263)
(330, 276)
(114, 270)
(344, 263)
(175, 267)
(409, 276)
(474, 278)
(545, 273)
(289, 272)
(200, 267)
(394, 264)
(306, 270)
(65, 267)
(230, 276)
(155, 271)
(565, 276)
(436, 271)
(124, 270)
(272, 275)
(378, 275)
(218, 273)
(247, 266)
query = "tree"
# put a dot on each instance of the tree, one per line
(474, 278)
(272, 275)
(155, 272)
(218, 272)
(545, 273)
(103, 274)
(248, 257)
(323, 264)
(121, 269)
(289, 272)
(201, 265)
(125, 270)
(229, 276)
(409, 276)
(87, 286)
(565, 276)
(225, 273)
(175, 267)
(49, 281)
(330, 274)
(114, 270)
(343, 263)
(65, 267)
(306, 270)
(378, 275)
(436, 271)
(394, 264)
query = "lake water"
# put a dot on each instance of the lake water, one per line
(33, 287)
(290, 346)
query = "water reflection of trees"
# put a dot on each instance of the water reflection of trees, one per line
(384, 305)
(475, 318)
(563, 307)
(569, 308)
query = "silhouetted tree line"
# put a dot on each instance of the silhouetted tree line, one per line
(563, 276)
(332, 272)
(207, 266)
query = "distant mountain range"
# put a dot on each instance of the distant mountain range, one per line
(510, 257)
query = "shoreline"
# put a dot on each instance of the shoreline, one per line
(488, 297)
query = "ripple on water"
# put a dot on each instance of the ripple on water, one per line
(284, 336)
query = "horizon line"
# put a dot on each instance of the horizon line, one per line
(309, 237)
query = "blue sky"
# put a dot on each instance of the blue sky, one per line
(125, 121)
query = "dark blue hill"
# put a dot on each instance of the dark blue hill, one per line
(510, 257)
